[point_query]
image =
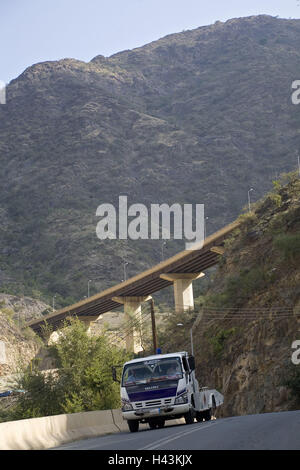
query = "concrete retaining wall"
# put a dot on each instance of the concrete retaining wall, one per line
(52, 431)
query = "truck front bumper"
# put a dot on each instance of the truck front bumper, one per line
(163, 412)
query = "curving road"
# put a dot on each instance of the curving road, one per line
(269, 431)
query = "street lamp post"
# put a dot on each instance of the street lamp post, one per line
(196, 322)
(191, 338)
(90, 280)
(249, 201)
(162, 249)
(192, 342)
(205, 221)
(53, 299)
(124, 267)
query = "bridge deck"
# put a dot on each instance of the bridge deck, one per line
(143, 284)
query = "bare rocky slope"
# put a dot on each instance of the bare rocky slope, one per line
(256, 297)
(195, 117)
(18, 345)
(251, 310)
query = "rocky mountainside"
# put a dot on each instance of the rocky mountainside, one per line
(251, 310)
(195, 117)
(23, 309)
(18, 346)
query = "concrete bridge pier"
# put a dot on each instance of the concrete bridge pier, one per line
(183, 289)
(87, 320)
(133, 317)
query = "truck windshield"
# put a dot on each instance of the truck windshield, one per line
(152, 370)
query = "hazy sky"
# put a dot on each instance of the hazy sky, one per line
(33, 31)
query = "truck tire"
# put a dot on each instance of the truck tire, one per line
(189, 417)
(152, 424)
(213, 407)
(161, 423)
(207, 415)
(133, 425)
(156, 423)
(199, 416)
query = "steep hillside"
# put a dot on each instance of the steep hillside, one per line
(195, 117)
(18, 346)
(251, 310)
(23, 309)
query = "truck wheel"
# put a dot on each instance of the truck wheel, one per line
(189, 417)
(207, 415)
(156, 423)
(199, 416)
(133, 425)
(213, 408)
(161, 423)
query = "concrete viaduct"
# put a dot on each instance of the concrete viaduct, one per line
(179, 270)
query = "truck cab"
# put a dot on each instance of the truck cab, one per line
(162, 387)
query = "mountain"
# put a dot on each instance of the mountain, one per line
(250, 314)
(18, 345)
(250, 347)
(195, 117)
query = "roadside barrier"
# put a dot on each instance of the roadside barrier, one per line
(53, 431)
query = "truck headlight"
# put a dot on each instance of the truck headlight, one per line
(182, 399)
(126, 405)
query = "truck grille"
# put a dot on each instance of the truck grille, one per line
(153, 403)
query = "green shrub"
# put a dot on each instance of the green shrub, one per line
(218, 341)
(292, 381)
(241, 287)
(247, 219)
(81, 382)
(288, 245)
(276, 199)
(9, 314)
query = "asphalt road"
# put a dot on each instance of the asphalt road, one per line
(269, 431)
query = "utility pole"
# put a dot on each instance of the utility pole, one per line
(153, 326)
(298, 164)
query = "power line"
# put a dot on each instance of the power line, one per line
(137, 321)
(130, 324)
(128, 331)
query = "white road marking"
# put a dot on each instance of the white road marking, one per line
(96, 442)
(156, 444)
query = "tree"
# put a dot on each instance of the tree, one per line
(82, 380)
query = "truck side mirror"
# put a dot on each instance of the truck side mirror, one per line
(185, 364)
(114, 374)
(191, 362)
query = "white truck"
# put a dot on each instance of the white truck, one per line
(163, 386)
